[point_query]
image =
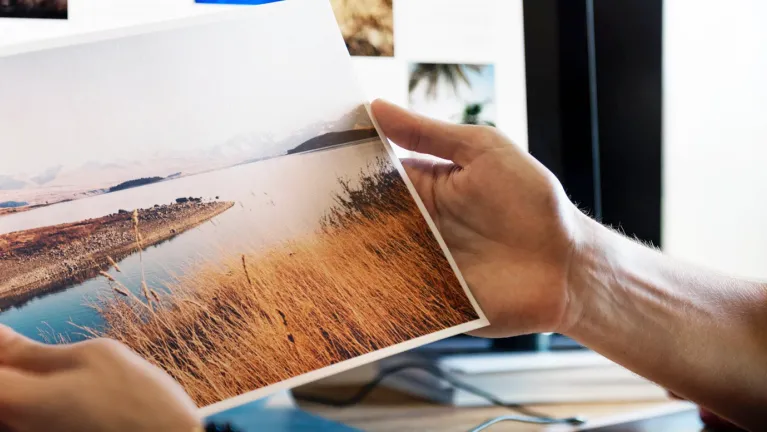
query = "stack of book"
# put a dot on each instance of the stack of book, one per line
(521, 378)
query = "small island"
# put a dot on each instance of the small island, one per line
(135, 183)
(12, 204)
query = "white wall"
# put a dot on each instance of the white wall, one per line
(456, 31)
(715, 134)
(440, 31)
(87, 16)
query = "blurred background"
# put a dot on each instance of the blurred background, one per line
(650, 112)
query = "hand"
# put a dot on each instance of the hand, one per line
(709, 419)
(98, 385)
(504, 216)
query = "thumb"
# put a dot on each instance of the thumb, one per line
(421, 134)
(24, 354)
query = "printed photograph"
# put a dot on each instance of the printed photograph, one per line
(53, 9)
(458, 93)
(367, 26)
(235, 224)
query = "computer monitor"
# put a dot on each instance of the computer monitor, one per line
(593, 96)
(461, 61)
(577, 83)
(594, 86)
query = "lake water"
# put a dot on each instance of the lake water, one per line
(275, 200)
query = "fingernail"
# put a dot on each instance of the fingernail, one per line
(384, 101)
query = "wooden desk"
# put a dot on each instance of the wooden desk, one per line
(388, 410)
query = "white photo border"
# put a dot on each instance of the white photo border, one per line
(246, 13)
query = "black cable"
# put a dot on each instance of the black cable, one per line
(575, 421)
(529, 415)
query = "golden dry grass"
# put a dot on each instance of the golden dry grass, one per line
(372, 277)
(367, 26)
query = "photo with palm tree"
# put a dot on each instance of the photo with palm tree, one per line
(459, 93)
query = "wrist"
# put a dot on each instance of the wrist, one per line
(595, 256)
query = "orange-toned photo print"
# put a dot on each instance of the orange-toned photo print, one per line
(213, 194)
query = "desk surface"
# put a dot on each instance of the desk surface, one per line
(388, 410)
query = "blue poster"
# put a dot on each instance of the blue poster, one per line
(244, 2)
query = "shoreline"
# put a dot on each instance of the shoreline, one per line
(13, 210)
(44, 260)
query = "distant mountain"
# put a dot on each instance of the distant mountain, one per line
(12, 204)
(47, 176)
(94, 177)
(11, 183)
(239, 146)
(357, 118)
(331, 139)
(93, 166)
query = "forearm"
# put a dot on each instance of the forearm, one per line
(699, 334)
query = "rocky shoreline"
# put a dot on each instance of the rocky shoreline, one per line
(48, 259)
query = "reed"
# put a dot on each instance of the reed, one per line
(373, 276)
(114, 264)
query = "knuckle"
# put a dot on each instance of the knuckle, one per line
(102, 346)
(488, 134)
(483, 136)
(416, 136)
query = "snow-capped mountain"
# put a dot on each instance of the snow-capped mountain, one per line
(58, 183)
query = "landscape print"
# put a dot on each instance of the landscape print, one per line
(367, 26)
(54, 9)
(236, 232)
(458, 93)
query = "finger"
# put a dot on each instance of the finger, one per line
(22, 353)
(427, 177)
(424, 172)
(424, 135)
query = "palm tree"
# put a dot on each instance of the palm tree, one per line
(472, 115)
(431, 73)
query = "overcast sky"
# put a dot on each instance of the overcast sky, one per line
(282, 67)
